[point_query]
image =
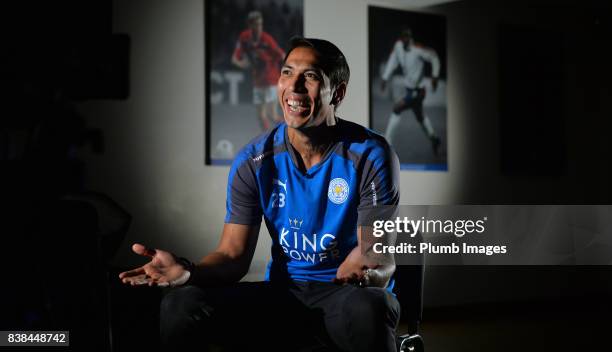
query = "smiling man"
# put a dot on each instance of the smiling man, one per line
(312, 179)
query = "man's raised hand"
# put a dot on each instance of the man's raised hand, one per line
(162, 270)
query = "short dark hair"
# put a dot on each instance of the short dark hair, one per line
(333, 61)
(406, 32)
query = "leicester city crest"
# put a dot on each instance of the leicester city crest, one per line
(338, 190)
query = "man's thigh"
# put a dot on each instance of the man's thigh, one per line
(348, 312)
(247, 314)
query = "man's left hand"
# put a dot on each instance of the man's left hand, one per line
(352, 269)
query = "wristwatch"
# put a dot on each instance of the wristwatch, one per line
(185, 263)
(187, 276)
(365, 280)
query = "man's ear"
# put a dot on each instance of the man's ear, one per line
(339, 94)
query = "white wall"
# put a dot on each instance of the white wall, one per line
(154, 161)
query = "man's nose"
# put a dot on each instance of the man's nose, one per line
(298, 84)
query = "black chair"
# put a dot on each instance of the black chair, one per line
(409, 292)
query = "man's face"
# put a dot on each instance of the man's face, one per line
(257, 26)
(304, 91)
(406, 39)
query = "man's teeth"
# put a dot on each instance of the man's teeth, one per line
(297, 103)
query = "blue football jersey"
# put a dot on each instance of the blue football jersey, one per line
(311, 215)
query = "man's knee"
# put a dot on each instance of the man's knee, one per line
(374, 306)
(371, 314)
(184, 301)
(182, 311)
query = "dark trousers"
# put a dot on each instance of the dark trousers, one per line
(279, 317)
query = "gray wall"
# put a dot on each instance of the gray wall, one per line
(155, 140)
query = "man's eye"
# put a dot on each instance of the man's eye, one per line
(285, 72)
(312, 76)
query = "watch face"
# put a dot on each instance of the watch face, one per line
(365, 280)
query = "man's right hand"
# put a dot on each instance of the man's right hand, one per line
(434, 84)
(243, 63)
(162, 270)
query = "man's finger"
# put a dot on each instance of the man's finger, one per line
(136, 280)
(130, 273)
(158, 281)
(139, 282)
(142, 250)
(156, 276)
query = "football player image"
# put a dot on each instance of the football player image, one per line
(257, 50)
(312, 179)
(412, 57)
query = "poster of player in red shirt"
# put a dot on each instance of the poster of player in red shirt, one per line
(257, 50)
(245, 42)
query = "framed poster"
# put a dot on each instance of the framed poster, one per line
(408, 85)
(245, 44)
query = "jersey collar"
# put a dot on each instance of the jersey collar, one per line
(296, 159)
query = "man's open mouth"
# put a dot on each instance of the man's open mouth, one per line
(298, 105)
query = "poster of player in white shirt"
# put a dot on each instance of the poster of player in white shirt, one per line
(408, 85)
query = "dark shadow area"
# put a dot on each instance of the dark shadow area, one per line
(57, 235)
(135, 315)
(575, 317)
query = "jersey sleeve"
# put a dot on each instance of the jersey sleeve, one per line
(431, 56)
(379, 187)
(238, 49)
(242, 202)
(278, 53)
(394, 59)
